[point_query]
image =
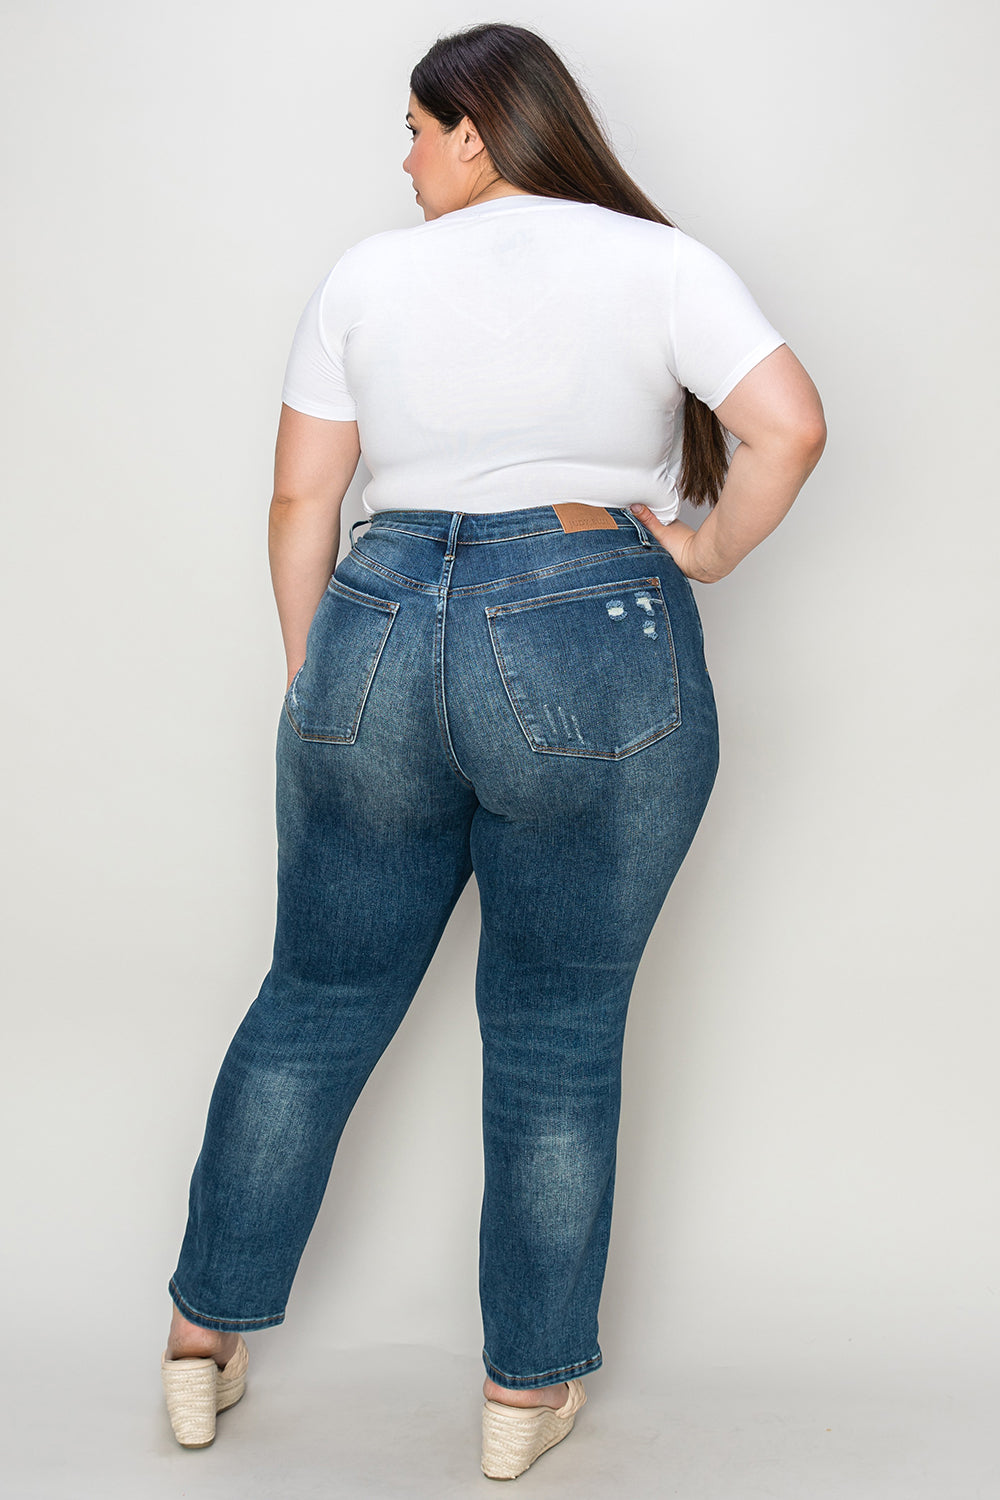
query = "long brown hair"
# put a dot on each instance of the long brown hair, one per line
(542, 137)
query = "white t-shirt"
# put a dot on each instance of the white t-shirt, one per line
(523, 351)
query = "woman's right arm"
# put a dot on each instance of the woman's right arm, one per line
(315, 460)
(776, 413)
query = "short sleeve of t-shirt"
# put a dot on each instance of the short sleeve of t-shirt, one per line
(717, 331)
(315, 382)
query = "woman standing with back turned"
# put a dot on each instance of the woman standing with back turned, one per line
(489, 681)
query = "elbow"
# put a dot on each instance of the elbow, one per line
(286, 506)
(814, 438)
(806, 443)
(814, 441)
(813, 428)
(793, 450)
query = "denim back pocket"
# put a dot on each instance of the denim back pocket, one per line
(326, 696)
(591, 671)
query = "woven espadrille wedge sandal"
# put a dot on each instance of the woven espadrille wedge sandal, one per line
(514, 1436)
(196, 1389)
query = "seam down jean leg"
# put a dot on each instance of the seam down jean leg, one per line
(488, 694)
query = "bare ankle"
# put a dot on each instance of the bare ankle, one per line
(191, 1341)
(544, 1395)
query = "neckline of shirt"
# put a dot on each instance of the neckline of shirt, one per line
(505, 202)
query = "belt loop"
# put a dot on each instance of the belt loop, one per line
(365, 520)
(452, 543)
(643, 533)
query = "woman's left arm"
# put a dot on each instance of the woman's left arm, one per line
(314, 462)
(776, 412)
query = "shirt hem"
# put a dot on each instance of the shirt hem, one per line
(745, 365)
(623, 504)
(319, 408)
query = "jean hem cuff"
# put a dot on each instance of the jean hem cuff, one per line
(223, 1325)
(547, 1377)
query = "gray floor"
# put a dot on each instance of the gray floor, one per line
(359, 1423)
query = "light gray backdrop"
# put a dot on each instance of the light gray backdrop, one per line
(803, 1283)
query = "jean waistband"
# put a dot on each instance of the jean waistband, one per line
(465, 528)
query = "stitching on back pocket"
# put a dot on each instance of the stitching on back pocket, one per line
(591, 671)
(327, 695)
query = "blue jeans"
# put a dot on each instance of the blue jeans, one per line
(490, 694)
